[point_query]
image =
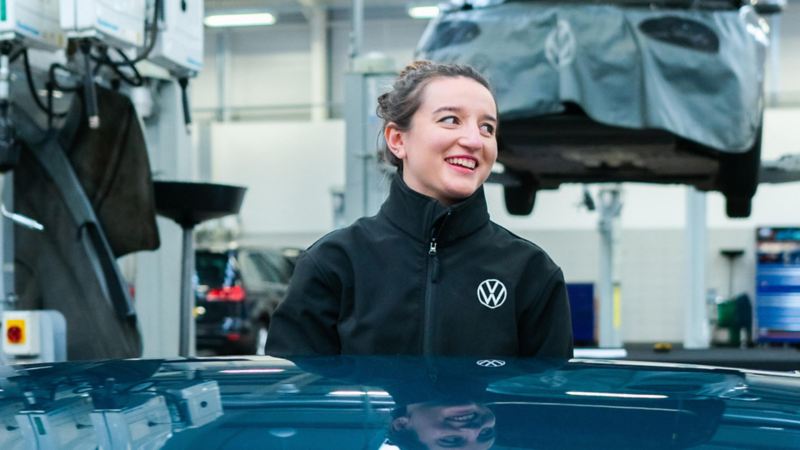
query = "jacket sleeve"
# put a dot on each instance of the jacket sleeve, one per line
(546, 326)
(305, 323)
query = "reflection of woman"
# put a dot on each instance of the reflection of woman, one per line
(440, 425)
(430, 273)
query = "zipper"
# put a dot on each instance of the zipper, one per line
(430, 287)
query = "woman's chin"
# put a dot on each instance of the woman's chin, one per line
(459, 192)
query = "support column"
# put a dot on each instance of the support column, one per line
(318, 19)
(223, 75)
(695, 332)
(610, 206)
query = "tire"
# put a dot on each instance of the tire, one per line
(520, 198)
(521, 195)
(738, 207)
(738, 178)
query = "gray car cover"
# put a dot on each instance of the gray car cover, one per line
(695, 73)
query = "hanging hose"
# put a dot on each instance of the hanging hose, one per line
(9, 151)
(89, 93)
(184, 83)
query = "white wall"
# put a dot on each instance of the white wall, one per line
(289, 169)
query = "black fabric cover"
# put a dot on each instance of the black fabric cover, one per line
(52, 267)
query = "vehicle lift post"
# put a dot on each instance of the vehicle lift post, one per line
(610, 208)
(696, 333)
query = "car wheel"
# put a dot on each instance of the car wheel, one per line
(520, 199)
(738, 207)
(738, 175)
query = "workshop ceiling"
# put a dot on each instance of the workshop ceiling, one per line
(297, 4)
(292, 10)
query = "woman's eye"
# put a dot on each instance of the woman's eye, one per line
(451, 441)
(488, 128)
(452, 120)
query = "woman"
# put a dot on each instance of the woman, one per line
(430, 273)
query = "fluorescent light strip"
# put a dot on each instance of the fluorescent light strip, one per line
(359, 393)
(423, 12)
(614, 395)
(251, 371)
(606, 353)
(239, 20)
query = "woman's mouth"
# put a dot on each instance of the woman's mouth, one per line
(462, 162)
(463, 417)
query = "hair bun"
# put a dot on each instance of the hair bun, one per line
(415, 66)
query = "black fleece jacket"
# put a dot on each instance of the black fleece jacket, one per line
(420, 278)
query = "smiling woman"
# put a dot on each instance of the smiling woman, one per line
(430, 273)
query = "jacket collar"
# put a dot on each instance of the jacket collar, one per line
(422, 217)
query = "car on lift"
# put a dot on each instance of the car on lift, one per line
(659, 91)
(236, 292)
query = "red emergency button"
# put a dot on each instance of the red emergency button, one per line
(15, 331)
(14, 334)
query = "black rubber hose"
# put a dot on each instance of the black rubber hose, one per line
(152, 38)
(184, 83)
(32, 88)
(89, 93)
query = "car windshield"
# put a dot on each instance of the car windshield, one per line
(271, 266)
(214, 269)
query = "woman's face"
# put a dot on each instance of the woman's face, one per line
(466, 426)
(450, 147)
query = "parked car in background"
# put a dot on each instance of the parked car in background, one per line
(654, 91)
(236, 292)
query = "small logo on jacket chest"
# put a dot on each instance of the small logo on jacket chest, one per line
(492, 293)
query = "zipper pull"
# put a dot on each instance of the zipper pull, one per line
(434, 261)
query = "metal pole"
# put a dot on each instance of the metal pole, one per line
(610, 206)
(773, 82)
(695, 332)
(186, 346)
(223, 76)
(319, 62)
(357, 34)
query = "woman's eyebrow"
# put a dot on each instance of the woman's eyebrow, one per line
(447, 109)
(458, 109)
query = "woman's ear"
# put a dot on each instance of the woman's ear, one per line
(400, 423)
(395, 140)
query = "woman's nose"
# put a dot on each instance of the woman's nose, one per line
(471, 138)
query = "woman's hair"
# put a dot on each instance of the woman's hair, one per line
(403, 100)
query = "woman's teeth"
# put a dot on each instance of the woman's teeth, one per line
(463, 418)
(463, 162)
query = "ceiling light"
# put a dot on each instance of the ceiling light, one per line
(239, 20)
(423, 12)
(616, 395)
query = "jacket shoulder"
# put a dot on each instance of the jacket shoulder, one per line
(535, 254)
(343, 241)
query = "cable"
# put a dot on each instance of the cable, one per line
(54, 80)
(32, 88)
(17, 54)
(150, 45)
(105, 60)
(137, 80)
